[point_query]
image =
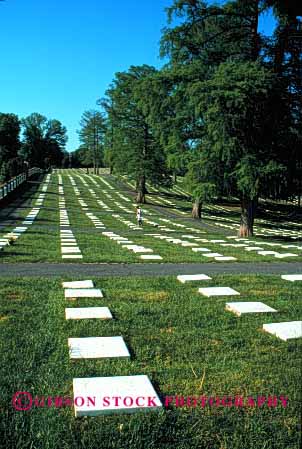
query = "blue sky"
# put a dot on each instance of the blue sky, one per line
(57, 57)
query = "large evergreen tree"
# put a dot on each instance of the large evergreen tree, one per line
(133, 146)
(92, 133)
(207, 51)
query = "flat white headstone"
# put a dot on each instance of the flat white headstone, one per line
(183, 278)
(142, 250)
(202, 250)
(83, 293)
(212, 255)
(80, 313)
(70, 249)
(267, 253)
(97, 347)
(78, 284)
(292, 277)
(218, 291)
(248, 307)
(72, 256)
(284, 255)
(285, 330)
(151, 257)
(127, 388)
(225, 258)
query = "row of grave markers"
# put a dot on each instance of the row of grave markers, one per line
(10, 237)
(284, 330)
(233, 225)
(108, 347)
(244, 243)
(127, 388)
(124, 242)
(69, 246)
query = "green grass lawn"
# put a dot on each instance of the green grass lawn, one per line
(41, 242)
(187, 344)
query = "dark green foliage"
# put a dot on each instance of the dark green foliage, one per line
(92, 132)
(43, 141)
(232, 98)
(132, 144)
(10, 163)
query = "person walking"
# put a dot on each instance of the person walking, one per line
(139, 216)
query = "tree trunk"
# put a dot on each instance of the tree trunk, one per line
(248, 208)
(87, 170)
(175, 177)
(141, 189)
(196, 209)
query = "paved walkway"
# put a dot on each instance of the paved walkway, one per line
(85, 269)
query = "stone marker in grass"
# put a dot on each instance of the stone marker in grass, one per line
(267, 253)
(248, 307)
(83, 293)
(286, 330)
(135, 393)
(201, 250)
(188, 244)
(284, 255)
(97, 347)
(70, 250)
(142, 250)
(81, 313)
(212, 255)
(292, 277)
(78, 284)
(72, 256)
(217, 291)
(150, 257)
(183, 278)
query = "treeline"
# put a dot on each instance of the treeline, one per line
(225, 111)
(34, 141)
(92, 137)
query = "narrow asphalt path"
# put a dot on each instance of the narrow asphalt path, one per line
(108, 270)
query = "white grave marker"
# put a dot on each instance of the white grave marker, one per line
(83, 293)
(151, 257)
(72, 256)
(75, 313)
(78, 284)
(212, 255)
(128, 388)
(248, 307)
(183, 278)
(218, 291)
(97, 347)
(292, 277)
(285, 330)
